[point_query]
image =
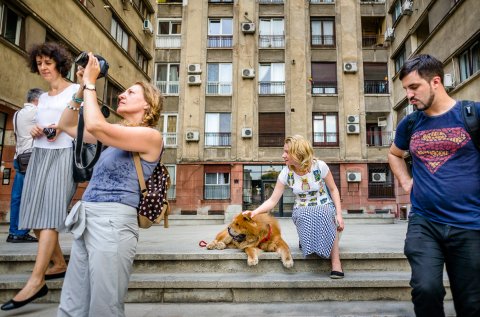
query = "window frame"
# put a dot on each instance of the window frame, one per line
(323, 87)
(170, 138)
(19, 25)
(469, 61)
(271, 38)
(274, 86)
(119, 32)
(217, 87)
(322, 34)
(214, 136)
(381, 190)
(325, 142)
(172, 87)
(225, 185)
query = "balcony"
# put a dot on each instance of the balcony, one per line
(217, 138)
(372, 1)
(271, 139)
(272, 41)
(168, 87)
(271, 88)
(323, 40)
(170, 139)
(321, 1)
(220, 1)
(380, 138)
(324, 88)
(168, 41)
(220, 41)
(216, 88)
(270, 1)
(371, 40)
(375, 86)
(325, 139)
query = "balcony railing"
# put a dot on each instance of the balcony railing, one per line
(324, 88)
(322, 1)
(170, 138)
(272, 41)
(168, 87)
(370, 40)
(219, 88)
(217, 191)
(379, 138)
(217, 138)
(381, 190)
(325, 138)
(323, 40)
(376, 86)
(218, 41)
(220, 1)
(271, 139)
(372, 1)
(271, 1)
(271, 88)
(168, 41)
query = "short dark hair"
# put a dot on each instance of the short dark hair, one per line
(56, 51)
(33, 94)
(426, 66)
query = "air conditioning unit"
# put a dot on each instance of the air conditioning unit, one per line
(248, 27)
(379, 177)
(194, 80)
(248, 73)
(389, 35)
(194, 69)
(353, 118)
(382, 121)
(350, 67)
(448, 81)
(353, 177)
(247, 133)
(353, 128)
(147, 26)
(192, 136)
(407, 8)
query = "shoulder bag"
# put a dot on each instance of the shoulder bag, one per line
(22, 158)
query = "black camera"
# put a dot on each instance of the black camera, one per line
(82, 60)
(50, 133)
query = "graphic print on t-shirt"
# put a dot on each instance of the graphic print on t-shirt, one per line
(435, 147)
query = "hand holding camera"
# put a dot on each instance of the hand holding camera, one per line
(98, 66)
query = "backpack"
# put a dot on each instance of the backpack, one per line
(153, 205)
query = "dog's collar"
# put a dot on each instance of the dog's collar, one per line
(268, 235)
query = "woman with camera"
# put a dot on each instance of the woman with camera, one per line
(49, 184)
(104, 222)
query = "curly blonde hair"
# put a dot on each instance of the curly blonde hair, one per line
(154, 99)
(301, 151)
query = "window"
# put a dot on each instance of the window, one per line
(218, 129)
(169, 34)
(272, 34)
(168, 127)
(271, 127)
(113, 91)
(323, 32)
(400, 59)
(141, 8)
(375, 78)
(220, 33)
(12, 25)
(271, 1)
(272, 79)
(380, 181)
(397, 11)
(169, 1)
(376, 136)
(217, 186)
(324, 78)
(166, 78)
(172, 191)
(469, 61)
(3, 123)
(325, 129)
(321, 1)
(219, 79)
(142, 60)
(119, 34)
(220, 1)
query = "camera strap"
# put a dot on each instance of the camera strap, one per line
(79, 145)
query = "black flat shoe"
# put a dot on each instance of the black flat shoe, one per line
(337, 275)
(12, 304)
(54, 275)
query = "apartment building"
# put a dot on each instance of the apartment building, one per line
(118, 30)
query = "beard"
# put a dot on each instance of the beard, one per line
(422, 106)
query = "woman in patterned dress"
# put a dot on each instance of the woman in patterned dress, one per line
(317, 212)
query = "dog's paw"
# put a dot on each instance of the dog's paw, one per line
(212, 245)
(252, 261)
(288, 263)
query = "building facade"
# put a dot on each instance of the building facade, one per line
(113, 29)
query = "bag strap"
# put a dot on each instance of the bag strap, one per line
(79, 144)
(471, 119)
(139, 169)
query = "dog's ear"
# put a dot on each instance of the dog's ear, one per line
(247, 218)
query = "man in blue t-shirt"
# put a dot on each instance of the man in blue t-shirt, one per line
(444, 223)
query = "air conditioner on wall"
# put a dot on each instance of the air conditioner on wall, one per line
(382, 121)
(248, 27)
(192, 136)
(350, 67)
(379, 177)
(194, 80)
(247, 133)
(353, 118)
(353, 128)
(407, 8)
(389, 34)
(147, 26)
(448, 81)
(194, 69)
(248, 73)
(354, 177)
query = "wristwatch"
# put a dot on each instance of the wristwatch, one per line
(89, 87)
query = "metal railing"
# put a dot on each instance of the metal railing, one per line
(325, 138)
(219, 88)
(217, 138)
(272, 41)
(370, 40)
(271, 139)
(375, 86)
(381, 190)
(271, 88)
(323, 40)
(322, 1)
(380, 138)
(217, 41)
(270, 1)
(170, 138)
(220, 1)
(168, 41)
(168, 87)
(324, 88)
(217, 191)
(370, 1)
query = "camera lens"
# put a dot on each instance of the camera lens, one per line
(49, 133)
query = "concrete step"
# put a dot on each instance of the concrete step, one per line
(245, 287)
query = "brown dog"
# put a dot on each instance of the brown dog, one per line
(250, 234)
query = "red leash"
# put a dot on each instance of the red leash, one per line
(202, 244)
(268, 235)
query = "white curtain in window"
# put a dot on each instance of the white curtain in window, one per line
(331, 127)
(214, 27)
(328, 28)
(227, 27)
(278, 72)
(265, 27)
(265, 73)
(316, 28)
(225, 79)
(277, 27)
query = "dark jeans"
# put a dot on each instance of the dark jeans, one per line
(15, 200)
(428, 247)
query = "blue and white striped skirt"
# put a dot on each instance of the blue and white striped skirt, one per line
(316, 229)
(48, 189)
